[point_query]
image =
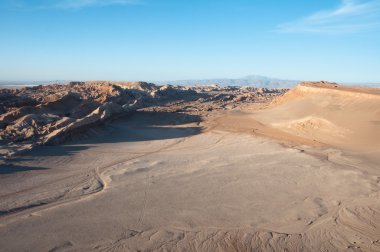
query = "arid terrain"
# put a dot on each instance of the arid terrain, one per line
(103, 166)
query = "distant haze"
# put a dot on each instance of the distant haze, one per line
(250, 80)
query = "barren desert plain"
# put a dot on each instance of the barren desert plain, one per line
(163, 168)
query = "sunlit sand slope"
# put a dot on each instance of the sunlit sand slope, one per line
(348, 117)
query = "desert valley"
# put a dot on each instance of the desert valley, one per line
(117, 166)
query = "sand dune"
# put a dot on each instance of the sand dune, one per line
(301, 175)
(347, 117)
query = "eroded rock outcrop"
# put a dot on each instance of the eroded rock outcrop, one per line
(47, 114)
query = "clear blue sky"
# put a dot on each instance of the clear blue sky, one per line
(337, 40)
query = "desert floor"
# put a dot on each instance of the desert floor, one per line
(180, 182)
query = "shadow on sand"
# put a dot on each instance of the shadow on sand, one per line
(138, 127)
(10, 168)
(148, 126)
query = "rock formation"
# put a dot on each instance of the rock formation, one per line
(47, 114)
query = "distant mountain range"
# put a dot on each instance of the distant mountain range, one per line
(31, 83)
(252, 80)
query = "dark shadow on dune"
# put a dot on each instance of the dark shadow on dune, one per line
(19, 159)
(137, 127)
(57, 150)
(147, 118)
(154, 133)
(10, 168)
(15, 164)
(147, 126)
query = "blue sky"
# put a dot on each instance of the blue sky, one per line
(335, 40)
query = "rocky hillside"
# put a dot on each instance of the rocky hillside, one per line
(48, 114)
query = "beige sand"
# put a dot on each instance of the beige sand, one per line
(164, 181)
(341, 116)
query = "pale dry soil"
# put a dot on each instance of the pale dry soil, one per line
(169, 182)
